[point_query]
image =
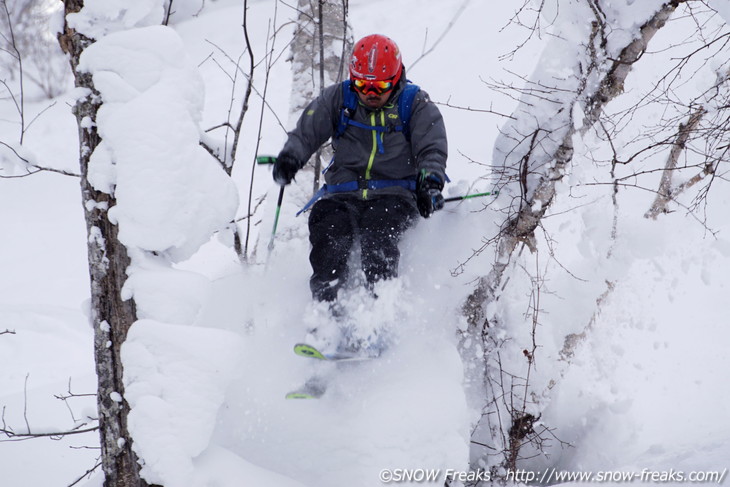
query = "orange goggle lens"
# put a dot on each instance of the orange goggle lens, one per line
(367, 86)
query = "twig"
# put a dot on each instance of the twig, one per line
(25, 402)
(247, 95)
(32, 121)
(70, 396)
(19, 105)
(478, 110)
(54, 435)
(262, 198)
(450, 25)
(168, 14)
(34, 166)
(91, 470)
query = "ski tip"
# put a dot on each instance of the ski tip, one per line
(308, 351)
(301, 395)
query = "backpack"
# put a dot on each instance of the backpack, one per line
(349, 105)
(350, 102)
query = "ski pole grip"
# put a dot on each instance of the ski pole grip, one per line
(265, 160)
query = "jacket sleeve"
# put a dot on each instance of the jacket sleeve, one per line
(315, 125)
(428, 136)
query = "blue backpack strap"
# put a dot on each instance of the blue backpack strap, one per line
(321, 192)
(349, 105)
(405, 105)
(408, 183)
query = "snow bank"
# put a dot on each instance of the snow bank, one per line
(645, 375)
(222, 468)
(175, 379)
(166, 294)
(48, 355)
(406, 409)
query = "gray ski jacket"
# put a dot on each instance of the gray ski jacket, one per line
(366, 155)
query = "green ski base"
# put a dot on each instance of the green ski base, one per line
(303, 395)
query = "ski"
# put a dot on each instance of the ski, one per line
(304, 350)
(314, 388)
(304, 394)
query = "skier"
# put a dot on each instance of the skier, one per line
(384, 171)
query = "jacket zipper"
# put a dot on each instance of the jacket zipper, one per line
(374, 150)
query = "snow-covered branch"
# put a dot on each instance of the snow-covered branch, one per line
(543, 151)
(565, 99)
(618, 69)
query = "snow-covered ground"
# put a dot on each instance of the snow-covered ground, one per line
(208, 367)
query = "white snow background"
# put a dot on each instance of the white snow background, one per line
(210, 360)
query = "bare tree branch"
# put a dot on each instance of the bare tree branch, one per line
(477, 110)
(19, 104)
(426, 51)
(56, 435)
(87, 473)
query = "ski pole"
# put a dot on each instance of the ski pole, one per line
(270, 160)
(276, 217)
(469, 196)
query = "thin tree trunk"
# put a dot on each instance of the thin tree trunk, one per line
(666, 193)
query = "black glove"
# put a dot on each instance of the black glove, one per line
(428, 193)
(285, 167)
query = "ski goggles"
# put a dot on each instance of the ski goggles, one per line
(365, 86)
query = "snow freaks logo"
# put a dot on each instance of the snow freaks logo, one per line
(552, 476)
(422, 475)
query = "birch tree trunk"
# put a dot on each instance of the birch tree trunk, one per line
(319, 54)
(319, 50)
(666, 191)
(111, 316)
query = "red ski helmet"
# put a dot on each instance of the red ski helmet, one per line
(376, 58)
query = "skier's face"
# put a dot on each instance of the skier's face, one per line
(373, 100)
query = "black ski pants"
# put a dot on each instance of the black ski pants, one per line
(337, 223)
